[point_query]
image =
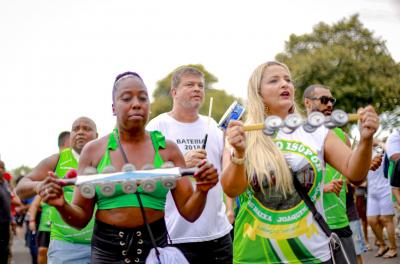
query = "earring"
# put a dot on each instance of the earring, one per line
(266, 110)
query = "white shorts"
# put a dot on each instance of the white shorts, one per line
(380, 204)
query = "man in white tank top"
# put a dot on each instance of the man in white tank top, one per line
(207, 240)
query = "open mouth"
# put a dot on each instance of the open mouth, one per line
(285, 94)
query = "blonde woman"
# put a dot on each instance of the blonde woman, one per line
(274, 225)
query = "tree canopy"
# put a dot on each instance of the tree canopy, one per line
(349, 59)
(163, 101)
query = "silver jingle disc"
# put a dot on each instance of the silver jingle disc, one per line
(273, 122)
(339, 117)
(88, 191)
(268, 131)
(168, 164)
(129, 186)
(90, 171)
(293, 121)
(168, 182)
(308, 128)
(128, 167)
(107, 189)
(148, 167)
(316, 119)
(109, 169)
(148, 185)
(330, 124)
(287, 130)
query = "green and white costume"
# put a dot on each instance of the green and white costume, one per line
(335, 207)
(271, 228)
(59, 229)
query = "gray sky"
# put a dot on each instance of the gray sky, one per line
(58, 59)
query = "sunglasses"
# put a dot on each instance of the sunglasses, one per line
(324, 99)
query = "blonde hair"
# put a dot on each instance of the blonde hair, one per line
(263, 158)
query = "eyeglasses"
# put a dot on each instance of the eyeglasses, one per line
(324, 99)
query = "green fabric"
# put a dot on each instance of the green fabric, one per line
(154, 200)
(45, 221)
(59, 229)
(264, 234)
(390, 172)
(335, 207)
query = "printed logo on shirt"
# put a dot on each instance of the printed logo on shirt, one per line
(279, 217)
(188, 144)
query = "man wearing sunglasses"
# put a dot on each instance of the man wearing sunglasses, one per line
(319, 98)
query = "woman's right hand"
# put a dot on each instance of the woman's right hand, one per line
(236, 137)
(50, 191)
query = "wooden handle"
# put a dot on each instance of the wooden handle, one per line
(252, 127)
(353, 117)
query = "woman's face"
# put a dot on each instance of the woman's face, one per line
(277, 90)
(131, 103)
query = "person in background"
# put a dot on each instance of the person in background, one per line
(318, 98)
(5, 216)
(41, 211)
(67, 245)
(187, 128)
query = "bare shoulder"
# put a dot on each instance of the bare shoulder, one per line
(94, 150)
(172, 153)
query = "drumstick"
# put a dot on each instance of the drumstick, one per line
(208, 123)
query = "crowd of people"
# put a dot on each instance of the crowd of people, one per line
(287, 195)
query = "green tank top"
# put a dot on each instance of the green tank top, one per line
(59, 229)
(45, 223)
(334, 206)
(154, 200)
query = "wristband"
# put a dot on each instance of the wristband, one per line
(237, 161)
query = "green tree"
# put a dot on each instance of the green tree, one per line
(163, 102)
(348, 58)
(20, 172)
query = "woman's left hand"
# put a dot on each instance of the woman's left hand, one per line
(369, 122)
(206, 177)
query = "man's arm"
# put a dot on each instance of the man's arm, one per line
(30, 184)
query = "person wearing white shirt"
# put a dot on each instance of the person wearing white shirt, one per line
(207, 240)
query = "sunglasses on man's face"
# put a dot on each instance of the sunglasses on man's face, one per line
(324, 99)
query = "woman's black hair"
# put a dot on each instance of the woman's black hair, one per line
(122, 75)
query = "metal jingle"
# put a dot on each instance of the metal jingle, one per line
(129, 186)
(339, 117)
(148, 167)
(128, 167)
(330, 124)
(316, 119)
(107, 189)
(287, 130)
(168, 164)
(109, 169)
(90, 171)
(308, 128)
(88, 191)
(293, 121)
(273, 122)
(268, 131)
(148, 185)
(168, 182)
